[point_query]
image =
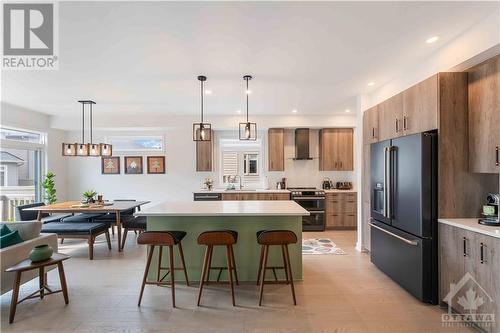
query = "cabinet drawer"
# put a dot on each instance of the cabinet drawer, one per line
(343, 220)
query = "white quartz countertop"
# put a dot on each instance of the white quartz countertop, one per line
(242, 191)
(473, 225)
(226, 208)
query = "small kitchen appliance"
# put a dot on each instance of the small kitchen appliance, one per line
(344, 186)
(491, 211)
(327, 184)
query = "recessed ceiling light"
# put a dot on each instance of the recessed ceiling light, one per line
(432, 39)
(294, 110)
(208, 92)
(238, 111)
(370, 84)
(249, 92)
(347, 110)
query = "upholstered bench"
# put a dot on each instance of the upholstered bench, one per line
(87, 231)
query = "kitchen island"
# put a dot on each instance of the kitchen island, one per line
(245, 217)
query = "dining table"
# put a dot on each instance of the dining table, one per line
(76, 207)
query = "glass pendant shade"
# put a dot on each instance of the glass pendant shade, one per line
(106, 150)
(94, 149)
(202, 132)
(68, 149)
(248, 131)
(82, 149)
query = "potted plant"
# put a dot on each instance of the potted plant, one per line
(49, 187)
(89, 196)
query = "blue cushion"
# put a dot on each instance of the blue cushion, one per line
(74, 228)
(5, 230)
(10, 239)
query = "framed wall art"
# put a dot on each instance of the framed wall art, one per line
(156, 164)
(133, 165)
(110, 165)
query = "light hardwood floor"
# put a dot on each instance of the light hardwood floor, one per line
(339, 294)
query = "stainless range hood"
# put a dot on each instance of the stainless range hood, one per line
(302, 144)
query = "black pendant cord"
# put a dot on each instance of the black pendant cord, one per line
(248, 92)
(91, 123)
(83, 123)
(202, 102)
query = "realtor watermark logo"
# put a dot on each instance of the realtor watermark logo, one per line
(30, 36)
(472, 301)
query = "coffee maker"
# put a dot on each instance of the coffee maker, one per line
(491, 211)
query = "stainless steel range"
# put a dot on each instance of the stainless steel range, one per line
(313, 200)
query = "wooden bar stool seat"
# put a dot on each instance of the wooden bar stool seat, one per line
(161, 239)
(275, 237)
(225, 238)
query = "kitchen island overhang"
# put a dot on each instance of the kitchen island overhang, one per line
(245, 217)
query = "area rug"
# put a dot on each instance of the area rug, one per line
(320, 246)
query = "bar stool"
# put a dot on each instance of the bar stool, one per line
(275, 237)
(218, 238)
(163, 238)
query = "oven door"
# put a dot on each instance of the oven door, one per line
(311, 203)
(314, 222)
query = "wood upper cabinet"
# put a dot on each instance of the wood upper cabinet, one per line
(391, 117)
(276, 149)
(204, 155)
(370, 125)
(420, 107)
(336, 149)
(484, 117)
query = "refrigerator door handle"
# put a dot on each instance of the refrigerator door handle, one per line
(407, 241)
(385, 182)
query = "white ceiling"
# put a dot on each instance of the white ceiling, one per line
(143, 58)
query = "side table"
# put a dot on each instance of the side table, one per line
(27, 265)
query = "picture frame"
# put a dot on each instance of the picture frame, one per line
(133, 165)
(156, 164)
(110, 165)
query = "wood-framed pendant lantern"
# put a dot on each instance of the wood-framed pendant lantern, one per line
(202, 131)
(247, 131)
(87, 149)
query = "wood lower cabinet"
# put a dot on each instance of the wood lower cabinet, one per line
(336, 149)
(341, 210)
(276, 149)
(484, 117)
(204, 154)
(256, 196)
(460, 252)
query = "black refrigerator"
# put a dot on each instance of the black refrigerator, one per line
(403, 223)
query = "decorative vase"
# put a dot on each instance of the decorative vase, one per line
(41, 253)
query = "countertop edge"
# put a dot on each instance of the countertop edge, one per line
(459, 223)
(153, 214)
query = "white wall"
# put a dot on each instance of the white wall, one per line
(181, 179)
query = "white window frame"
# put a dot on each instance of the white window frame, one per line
(241, 148)
(4, 170)
(109, 140)
(246, 164)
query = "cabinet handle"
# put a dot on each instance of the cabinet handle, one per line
(397, 127)
(405, 123)
(465, 247)
(482, 253)
(373, 132)
(497, 160)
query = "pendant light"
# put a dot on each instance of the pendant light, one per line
(202, 131)
(87, 149)
(248, 130)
